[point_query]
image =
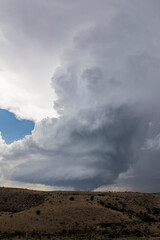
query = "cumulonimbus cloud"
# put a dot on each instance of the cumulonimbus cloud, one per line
(107, 97)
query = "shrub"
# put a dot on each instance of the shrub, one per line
(156, 211)
(92, 198)
(137, 233)
(145, 217)
(38, 212)
(71, 199)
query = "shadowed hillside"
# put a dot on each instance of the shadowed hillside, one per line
(26, 214)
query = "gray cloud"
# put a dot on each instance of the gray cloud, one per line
(107, 89)
(92, 155)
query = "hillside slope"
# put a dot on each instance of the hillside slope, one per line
(26, 214)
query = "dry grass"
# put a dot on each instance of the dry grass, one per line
(26, 214)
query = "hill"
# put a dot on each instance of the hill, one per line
(27, 214)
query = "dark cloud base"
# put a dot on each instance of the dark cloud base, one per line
(108, 150)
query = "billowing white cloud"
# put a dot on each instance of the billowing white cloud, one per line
(33, 34)
(107, 88)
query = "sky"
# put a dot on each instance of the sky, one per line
(13, 129)
(79, 92)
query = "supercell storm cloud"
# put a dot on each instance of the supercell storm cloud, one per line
(107, 98)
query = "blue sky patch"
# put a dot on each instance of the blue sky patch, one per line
(13, 129)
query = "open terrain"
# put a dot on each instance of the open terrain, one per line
(26, 214)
